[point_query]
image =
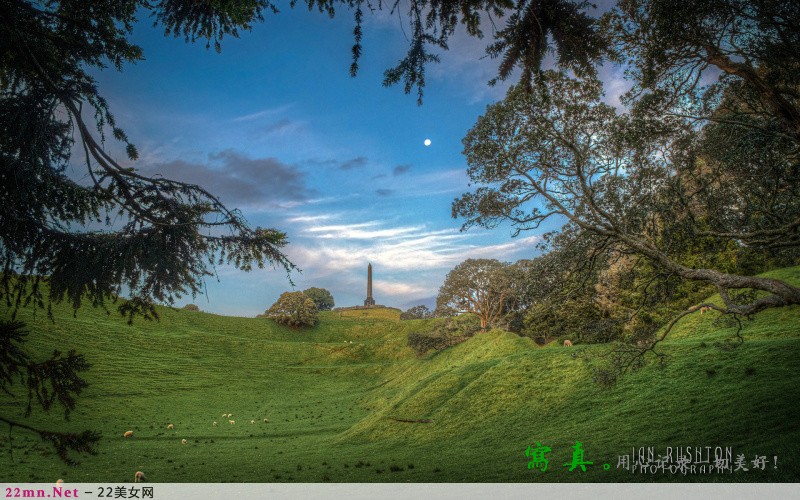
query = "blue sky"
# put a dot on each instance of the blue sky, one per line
(275, 126)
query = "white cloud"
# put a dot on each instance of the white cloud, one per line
(269, 112)
(395, 289)
(356, 231)
(400, 249)
(310, 218)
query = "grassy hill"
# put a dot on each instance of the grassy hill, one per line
(335, 397)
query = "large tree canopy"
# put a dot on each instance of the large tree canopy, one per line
(482, 287)
(675, 47)
(294, 309)
(321, 297)
(656, 184)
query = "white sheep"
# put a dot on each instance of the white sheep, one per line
(232, 422)
(266, 420)
(128, 434)
(183, 441)
(214, 424)
(567, 343)
(252, 421)
(139, 477)
(170, 427)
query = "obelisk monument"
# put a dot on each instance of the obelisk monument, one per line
(369, 301)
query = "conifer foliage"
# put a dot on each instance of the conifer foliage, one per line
(154, 236)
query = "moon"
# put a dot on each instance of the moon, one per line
(427, 142)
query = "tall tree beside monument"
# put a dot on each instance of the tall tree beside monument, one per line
(321, 297)
(293, 309)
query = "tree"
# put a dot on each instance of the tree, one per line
(293, 309)
(417, 312)
(558, 150)
(321, 297)
(670, 45)
(476, 286)
(750, 117)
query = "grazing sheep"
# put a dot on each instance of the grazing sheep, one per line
(224, 415)
(139, 477)
(214, 424)
(170, 427)
(59, 482)
(252, 421)
(567, 343)
(266, 420)
(183, 441)
(704, 309)
(128, 434)
(232, 422)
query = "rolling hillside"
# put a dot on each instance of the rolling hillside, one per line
(348, 401)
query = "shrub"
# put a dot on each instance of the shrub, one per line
(293, 309)
(190, 307)
(445, 334)
(417, 312)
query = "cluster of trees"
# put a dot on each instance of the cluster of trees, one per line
(293, 309)
(322, 298)
(695, 184)
(298, 309)
(693, 188)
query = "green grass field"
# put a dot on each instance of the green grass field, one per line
(333, 396)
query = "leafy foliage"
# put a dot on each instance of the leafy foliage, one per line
(531, 27)
(476, 286)
(321, 297)
(694, 185)
(294, 309)
(559, 150)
